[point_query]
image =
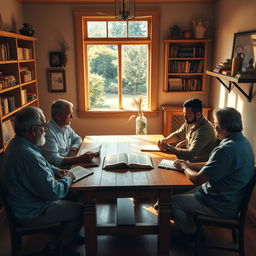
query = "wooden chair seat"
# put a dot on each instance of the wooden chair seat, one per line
(235, 225)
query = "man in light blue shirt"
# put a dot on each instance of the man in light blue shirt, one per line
(223, 179)
(62, 143)
(32, 187)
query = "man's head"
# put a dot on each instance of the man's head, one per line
(226, 121)
(62, 112)
(30, 123)
(192, 110)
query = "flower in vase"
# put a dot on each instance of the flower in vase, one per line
(141, 121)
(137, 103)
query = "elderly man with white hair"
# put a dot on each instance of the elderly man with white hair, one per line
(62, 143)
(34, 189)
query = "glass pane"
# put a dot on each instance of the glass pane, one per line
(137, 29)
(97, 28)
(117, 29)
(103, 76)
(134, 74)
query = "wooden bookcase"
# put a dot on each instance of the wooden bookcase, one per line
(185, 65)
(18, 80)
(173, 118)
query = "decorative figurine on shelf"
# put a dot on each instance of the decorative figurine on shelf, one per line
(175, 32)
(237, 63)
(200, 28)
(27, 30)
(250, 68)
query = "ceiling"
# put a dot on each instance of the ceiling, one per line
(111, 1)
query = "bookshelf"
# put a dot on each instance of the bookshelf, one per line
(185, 65)
(18, 79)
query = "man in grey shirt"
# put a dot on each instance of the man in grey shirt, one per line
(62, 143)
(196, 134)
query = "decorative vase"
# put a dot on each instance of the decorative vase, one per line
(237, 63)
(141, 125)
(200, 28)
(27, 30)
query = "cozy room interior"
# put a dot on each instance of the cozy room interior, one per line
(52, 19)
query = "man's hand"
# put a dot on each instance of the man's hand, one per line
(180, 164)
(162, 145)
(62, 173)
(86, 157)
(72, 152)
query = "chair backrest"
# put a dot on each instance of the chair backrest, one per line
(246, 199)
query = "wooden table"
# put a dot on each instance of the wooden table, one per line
(155, 183)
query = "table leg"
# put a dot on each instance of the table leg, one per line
(90, 223)
(164, 222)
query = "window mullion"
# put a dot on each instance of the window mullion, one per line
(120, 76)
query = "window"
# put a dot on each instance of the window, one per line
(114, 63)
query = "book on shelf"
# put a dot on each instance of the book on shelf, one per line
(8, 131)
(175, 84)
(23, 96)
(167, 164)
(128, 160)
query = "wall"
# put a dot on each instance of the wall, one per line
(52, 21)
(234, 16)
(12, 14)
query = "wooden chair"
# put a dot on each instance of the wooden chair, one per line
(17, 231)
(236, 225)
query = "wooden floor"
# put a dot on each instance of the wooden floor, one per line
(136, 245)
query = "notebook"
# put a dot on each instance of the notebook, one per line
(167, 164)
(80, 173)
(150, 148)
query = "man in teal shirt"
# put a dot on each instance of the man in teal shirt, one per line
(32, 192)
(223, 179)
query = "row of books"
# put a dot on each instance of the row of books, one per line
(7, 104)
(4, 51)
(181, 84)
(7, 81)
(186, 52)
(25, 53)
(186, 66)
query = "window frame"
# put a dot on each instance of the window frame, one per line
(82, 68)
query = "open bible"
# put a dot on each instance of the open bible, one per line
(128, 160)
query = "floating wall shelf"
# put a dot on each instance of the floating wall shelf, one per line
(235, 81)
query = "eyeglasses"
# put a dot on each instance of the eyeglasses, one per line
(43, 125)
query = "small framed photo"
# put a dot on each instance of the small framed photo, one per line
(244, 43)
(55, 59)
(56, 80)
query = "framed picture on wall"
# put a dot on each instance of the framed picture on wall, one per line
(55, 59)
(56, 80)
(245, 43)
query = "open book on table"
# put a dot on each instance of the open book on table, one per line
(95, 149)
(80, 173)
(167, 164)
(128, 160)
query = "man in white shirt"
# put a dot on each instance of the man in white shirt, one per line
(62, 143)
